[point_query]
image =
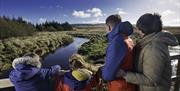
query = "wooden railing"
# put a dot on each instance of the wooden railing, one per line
(5, 83)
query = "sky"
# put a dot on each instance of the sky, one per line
(90, 11)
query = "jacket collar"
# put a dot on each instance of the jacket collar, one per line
(146, 39)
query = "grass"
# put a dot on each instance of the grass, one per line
(95, 48)
(40, 43)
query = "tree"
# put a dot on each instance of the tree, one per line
(66, 26)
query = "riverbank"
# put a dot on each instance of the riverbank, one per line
(95, 48)
(41, 43)
(62, 54)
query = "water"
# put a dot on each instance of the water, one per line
(174, 51)
(62, 54)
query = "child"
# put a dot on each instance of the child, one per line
(118, 54)
(29, 76)
(80, 78)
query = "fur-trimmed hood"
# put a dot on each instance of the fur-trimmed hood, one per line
(27, 60)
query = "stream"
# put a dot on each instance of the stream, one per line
(62, 54)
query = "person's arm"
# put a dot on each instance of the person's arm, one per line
(53, 71)
(96, 80)
(91, 67)
(153, 65)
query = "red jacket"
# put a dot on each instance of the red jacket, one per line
(121, 84)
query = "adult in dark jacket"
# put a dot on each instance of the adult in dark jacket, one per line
(29, 76)
(119, 54)
(152, 60)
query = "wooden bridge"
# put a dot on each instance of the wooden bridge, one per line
(5, 83)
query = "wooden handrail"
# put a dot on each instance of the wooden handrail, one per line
(175, 57)
(5, 83)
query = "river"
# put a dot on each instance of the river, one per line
(174, 51)
(62, 54)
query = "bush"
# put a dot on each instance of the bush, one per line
(40, 43)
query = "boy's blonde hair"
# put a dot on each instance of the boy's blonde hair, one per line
(75, 60)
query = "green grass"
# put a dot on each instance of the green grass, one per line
(94, 49)
(41, 43)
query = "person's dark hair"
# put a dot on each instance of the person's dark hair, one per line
(149, 23)
(113, 19)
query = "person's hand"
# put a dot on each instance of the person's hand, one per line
(120, 73)
(99, 65)
(62, 72)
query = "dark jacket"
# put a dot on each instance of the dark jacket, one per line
(152, 62)
(31, 78)
(116, 50)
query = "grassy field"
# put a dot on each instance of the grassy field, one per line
(41, 43)
(95, 48)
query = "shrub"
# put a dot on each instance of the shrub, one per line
(41, 43)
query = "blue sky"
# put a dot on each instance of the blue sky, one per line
(90, 11)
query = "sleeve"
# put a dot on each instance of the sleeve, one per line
(95, 81)
(153, 65)
(48, 73)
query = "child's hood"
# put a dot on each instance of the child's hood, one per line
(23, 72)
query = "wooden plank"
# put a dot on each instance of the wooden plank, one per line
(175, 57)
(5, 83)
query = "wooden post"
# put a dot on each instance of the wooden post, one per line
(177, 82)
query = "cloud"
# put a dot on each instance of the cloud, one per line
(121, 11)
(167, 13)
(169, 2)
(172, 22)
(170, 18)
(27, 20)
(81, 14)
(96, 12)
(95, 21)
(177, 4)
(42, 20)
